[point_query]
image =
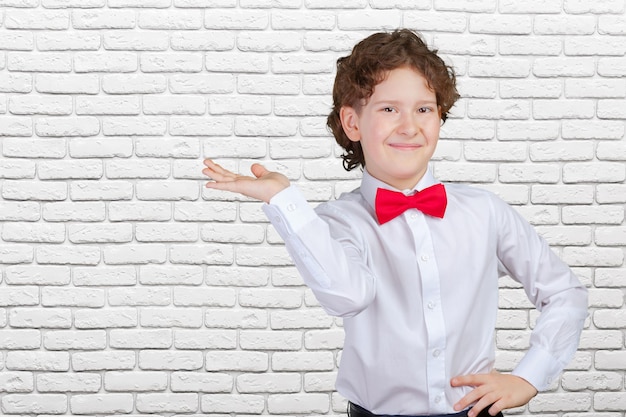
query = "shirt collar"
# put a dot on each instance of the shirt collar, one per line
(370, 185)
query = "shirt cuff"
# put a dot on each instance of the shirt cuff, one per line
(539, 368)
(290, 206)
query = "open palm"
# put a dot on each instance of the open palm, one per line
(263, 186)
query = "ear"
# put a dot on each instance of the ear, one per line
(350, 123)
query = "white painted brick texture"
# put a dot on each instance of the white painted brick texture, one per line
(126, 287)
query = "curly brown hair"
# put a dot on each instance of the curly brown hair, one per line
(368, 65)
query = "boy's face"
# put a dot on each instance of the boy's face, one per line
(398, 128)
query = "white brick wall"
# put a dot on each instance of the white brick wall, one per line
(128, 288)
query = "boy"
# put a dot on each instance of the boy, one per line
(416, 278)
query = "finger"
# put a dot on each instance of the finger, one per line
(470, 398)
(465, 380)
(484, 402)
(218, 169)
(258, 170)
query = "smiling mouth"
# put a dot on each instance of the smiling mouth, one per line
(406, 146)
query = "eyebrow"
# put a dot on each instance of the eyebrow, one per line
(379, 102)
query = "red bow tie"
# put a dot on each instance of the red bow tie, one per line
(391, 204)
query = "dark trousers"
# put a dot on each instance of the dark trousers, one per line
(357, 411)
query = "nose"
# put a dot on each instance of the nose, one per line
(409, 125)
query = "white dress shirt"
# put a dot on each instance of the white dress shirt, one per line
(419, 295)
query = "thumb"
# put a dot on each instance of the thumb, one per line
(258, 170)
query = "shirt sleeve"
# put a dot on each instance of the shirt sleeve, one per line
(328, 253)
(554, 290)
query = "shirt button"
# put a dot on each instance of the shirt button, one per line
(438, 399)
(431, 305)
(291, 207)
(436, 353)
(425, 257)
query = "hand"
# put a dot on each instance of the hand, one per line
(502, 390)
(263, 186)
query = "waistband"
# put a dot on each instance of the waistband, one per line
(358, 411)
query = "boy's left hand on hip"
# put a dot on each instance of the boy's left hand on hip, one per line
(501, 391)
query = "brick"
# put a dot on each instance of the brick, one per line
(562, 194)
(287, 4)
(557, 151)
(564, 25)
(563, 67)
(66, 41)
(75, 340)
(133, 41)
(22, 339)
(72, 297)
(263, 256)
(319, 381)
(170, 360)
(100, 233)
(33, 232)
(215, 254)
(269, 42)
(36, 19)
(270, 340)
(602, 88)
(453, 171)
(105, 62)
(131, 168)
(67, 126)
(609, 319)
(233, 233)
(229, 403)
(158, 232)
(74, 211)
(500, 24)
(16, 83)
(35, 318)
(15, 126)
(606, 6)
(610, 236)
(167, 402)
(471, 45)
(204, 339)
(236, 319)
(67, 83)
(593, 256)
(532, 6)
(566, 235)
(17, 41)
(272, 383)
(267, 85)
(134, 254)
(438, 21)
(167, 190)
(139, 296)
(594, 46)
(172, 62)
(612, 25)
(120, 381)
(16, 254)
(369, 20)
(498, 67)
(302, 64)
(311, 319)
(400, 4)
(108, 105)
(488, 151)
(134, 84)
(529, 173)
(19, 211)
(611, 109)
(201, 126)
(605, 298)
(103, 19)
(16, 382)
(76, 169)
(38, 361)
(171, 317)
(237, 19)
(240, 105)
(550, 402)
(611, 151)
(609, 401)
(336, 4)
(101, 403)
(594, 172)
(466, 5)
(593, 215)
(480, 130)
(201, 382)
(302, 361)
(236, 361)
(298, 403)
(37, 275)
(610, 193)
(237, 276)
(530, 45)
(140, 339)
(62, 4)
(38, 104)
(99, 361)
(608, 277)
(611, 67)
(610, 359)
(231, 62)
(299, 20)
(34, 403)
(19, 297)
(105, 318)
(139, 211)
(202, 41)
(324, 339)
(563, 109)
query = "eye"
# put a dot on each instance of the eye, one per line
(424, 109)
(388, 109)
